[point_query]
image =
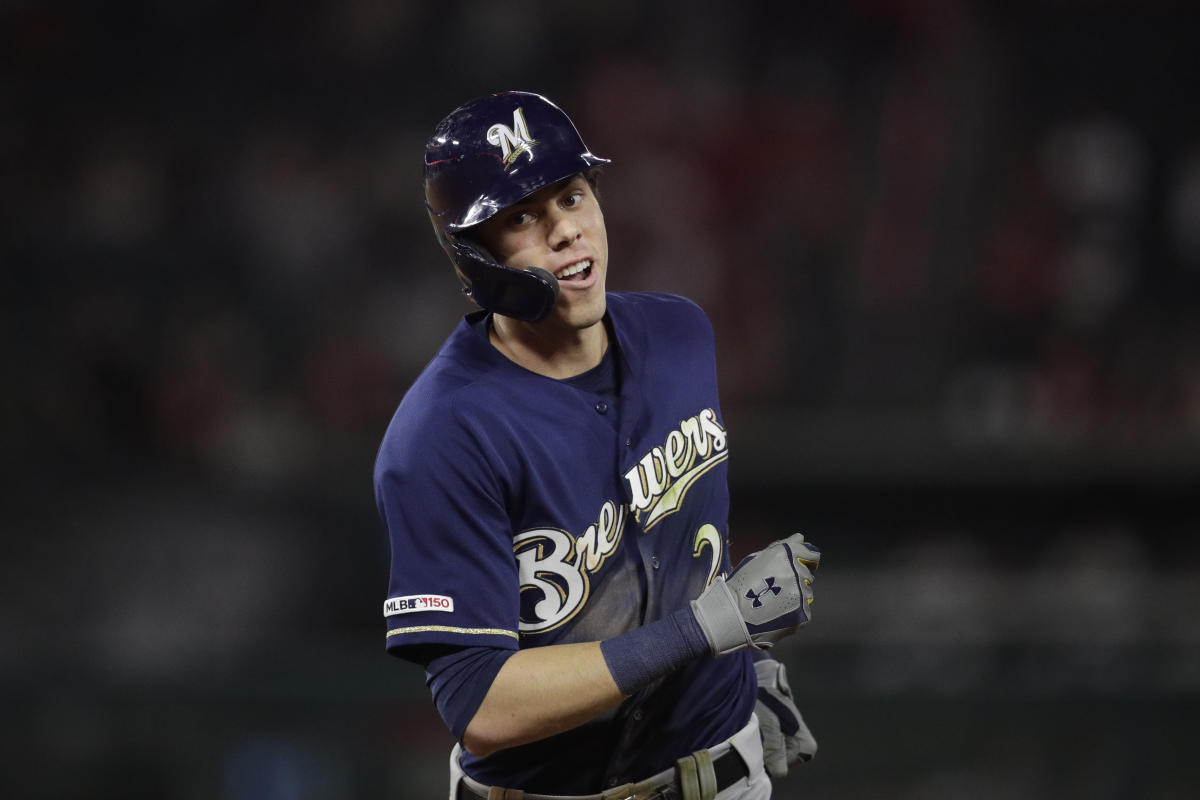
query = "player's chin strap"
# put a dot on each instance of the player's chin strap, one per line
(526, 294)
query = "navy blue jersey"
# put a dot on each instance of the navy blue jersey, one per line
(525, 511)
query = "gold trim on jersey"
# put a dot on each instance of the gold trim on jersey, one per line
(451, 629)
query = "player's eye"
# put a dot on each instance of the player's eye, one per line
(520, 218)
(573, 200)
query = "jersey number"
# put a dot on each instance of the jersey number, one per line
(709, 537)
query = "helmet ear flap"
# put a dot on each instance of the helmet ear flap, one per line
(527, 294)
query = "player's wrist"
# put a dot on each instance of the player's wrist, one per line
(643, 655)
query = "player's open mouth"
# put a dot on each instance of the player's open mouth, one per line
(578, 271)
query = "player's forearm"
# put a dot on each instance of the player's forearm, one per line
(547, 690)
(540, 692)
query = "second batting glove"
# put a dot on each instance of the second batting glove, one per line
(786, 739)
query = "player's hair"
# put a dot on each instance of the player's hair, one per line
(593, 176)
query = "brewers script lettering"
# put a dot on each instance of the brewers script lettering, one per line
(663, 476)
(557, 566)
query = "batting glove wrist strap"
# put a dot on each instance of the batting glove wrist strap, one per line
(717, 612)
(768, 596)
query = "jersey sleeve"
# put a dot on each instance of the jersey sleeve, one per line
(453, 576)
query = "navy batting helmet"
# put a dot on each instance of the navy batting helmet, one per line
(483, 157)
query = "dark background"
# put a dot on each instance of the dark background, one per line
(952, 253)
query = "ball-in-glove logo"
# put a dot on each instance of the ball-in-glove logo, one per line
(512, 141)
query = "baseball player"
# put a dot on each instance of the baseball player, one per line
(554, 489)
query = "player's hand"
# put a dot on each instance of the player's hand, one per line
(785, 738)
(768, 596)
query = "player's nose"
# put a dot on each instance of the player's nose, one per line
(564, 230)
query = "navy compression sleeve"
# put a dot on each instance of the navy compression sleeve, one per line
(460, 680)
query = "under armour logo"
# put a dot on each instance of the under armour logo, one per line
(770, 587)
(512, 141)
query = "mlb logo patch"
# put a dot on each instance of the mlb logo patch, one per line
(413, 603)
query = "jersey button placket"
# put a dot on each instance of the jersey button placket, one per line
(602, 407)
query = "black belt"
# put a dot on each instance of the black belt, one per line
(729, 768)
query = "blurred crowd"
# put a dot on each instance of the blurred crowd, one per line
(950, 213)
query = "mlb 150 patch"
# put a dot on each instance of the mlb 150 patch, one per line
(417, 602)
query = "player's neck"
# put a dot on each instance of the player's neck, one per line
(547, 348)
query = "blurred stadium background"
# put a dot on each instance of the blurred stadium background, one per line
(952, 253)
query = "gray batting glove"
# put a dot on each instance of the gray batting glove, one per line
(785, 738)
(768, 596)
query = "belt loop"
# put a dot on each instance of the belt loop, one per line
(498, 793)
(697, 778)
(689, 777)
(706, 774)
